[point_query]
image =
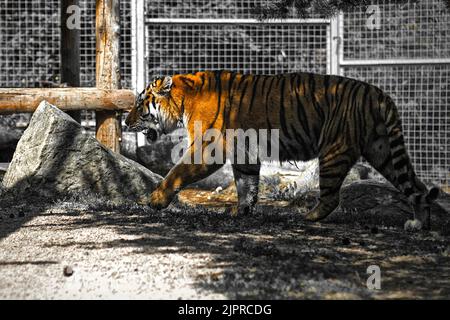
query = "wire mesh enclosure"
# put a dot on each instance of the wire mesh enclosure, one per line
(408, 57)
(193, 39)
(409, 30)
(29, 43)
(30, 46)
(30, 40)
(249, 48)
(87, 43)
(407, 54)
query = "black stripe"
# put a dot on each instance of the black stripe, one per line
(263, 86)
(171, 99)
(298, 138)
(408, 191)
(402, 163)
(284, 127)
(202, 79)
(269, 126)
(242, 95)
(246, 171)
(182, 106)
(188, 82)
(219, 95)
(255, 83)
(398, 153)
(301, 114)
(333, 164)
(330, 175)
(397, 142)
(316, 104)
(384, 164)
(242, 80)
(418, 199)
(326, 191)
(326, 85)
(402, 178)
(356, 107)
(329, 124)
(230, 99)
(285, 148)
(230, 87)
(363, 115)
(342, 120)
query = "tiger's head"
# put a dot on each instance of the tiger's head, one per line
(153, 111)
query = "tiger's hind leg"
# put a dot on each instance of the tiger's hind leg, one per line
(387, 163)
(246, 178)
(334, 165)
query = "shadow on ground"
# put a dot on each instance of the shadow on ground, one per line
(273, 254)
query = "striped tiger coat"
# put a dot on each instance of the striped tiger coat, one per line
(333, 118)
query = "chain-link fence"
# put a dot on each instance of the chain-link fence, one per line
(252, 48)
(187, 36)
(30, 46)
(408, 55)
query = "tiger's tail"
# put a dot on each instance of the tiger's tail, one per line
(406, 179)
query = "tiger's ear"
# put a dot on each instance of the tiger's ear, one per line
(163, 89)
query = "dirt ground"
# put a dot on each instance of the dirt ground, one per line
(80, 248)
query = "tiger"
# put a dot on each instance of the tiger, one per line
(333, 118)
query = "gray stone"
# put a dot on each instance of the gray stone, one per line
(157, 156)
(56, 158)
(221, 178)
(129, 145)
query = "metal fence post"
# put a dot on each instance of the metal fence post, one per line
(138, 70)
(335, 41)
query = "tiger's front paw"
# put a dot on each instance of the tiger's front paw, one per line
(242, 210)
(413, 225)
(159, 199)
(314, 215)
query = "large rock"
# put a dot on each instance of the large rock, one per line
(157, 156)
(55, 157)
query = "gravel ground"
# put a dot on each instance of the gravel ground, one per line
(88, 249)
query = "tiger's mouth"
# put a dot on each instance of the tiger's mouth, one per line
(151, 134)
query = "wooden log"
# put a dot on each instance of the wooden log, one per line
(70, 48)
(108, 69)
(15, 100)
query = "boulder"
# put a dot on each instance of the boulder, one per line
(129, 145)
(56, 158)
(157, 156)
